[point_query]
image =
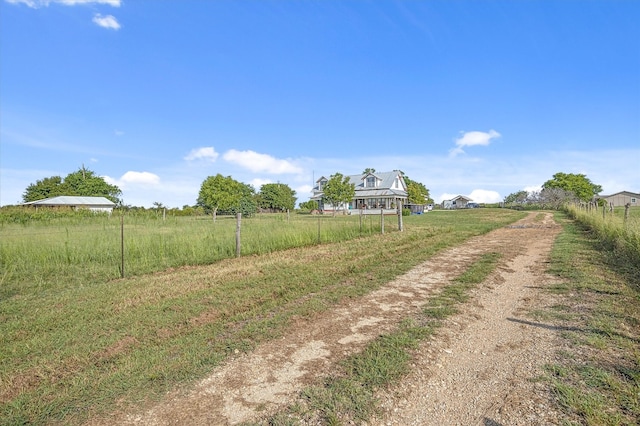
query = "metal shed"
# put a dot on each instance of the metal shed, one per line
(622, 199)
(98, 204)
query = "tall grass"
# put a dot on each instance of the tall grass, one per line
(596, 375)
(63, 250)
(615, 233)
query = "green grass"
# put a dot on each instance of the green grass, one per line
(596, 379)
(76, 342)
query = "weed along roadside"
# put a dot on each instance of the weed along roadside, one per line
(75, 344)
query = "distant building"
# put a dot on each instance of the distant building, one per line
(620, 199)
(97, 204)
(459, 202)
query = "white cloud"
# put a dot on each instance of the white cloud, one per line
(130, 179)
(473, 139)
(445, 196)
(145, 178)
(257, 183)
(114, 3)
(256, 162)
(303, 191)
(118, 132)
(485, 196)
(108, 21)
(205, 153)
(36, 4)
(534, 188)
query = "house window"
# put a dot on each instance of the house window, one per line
(633, 200)
(321, 184)
(371, 182)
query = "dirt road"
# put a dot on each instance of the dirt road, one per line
(479, 369)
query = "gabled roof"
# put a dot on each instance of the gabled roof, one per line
(65, 200)
(461, 197)
(386, 181)
(628, 193)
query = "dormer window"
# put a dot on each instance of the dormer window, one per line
(371, 182)
(321, 184)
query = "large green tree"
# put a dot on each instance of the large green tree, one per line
(338, 190)
(220, 193)
(84, 183)
(578, 184)
(418, 193)
(277, 196)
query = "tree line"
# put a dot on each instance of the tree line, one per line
(561, 189)
(224, 195)
(218, 194)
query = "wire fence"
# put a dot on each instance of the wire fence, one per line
(81, 249)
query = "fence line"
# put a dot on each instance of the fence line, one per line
(104, 247)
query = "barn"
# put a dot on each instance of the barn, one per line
(620, 199)
(97, 204)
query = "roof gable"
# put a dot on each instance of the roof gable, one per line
(461, 197)
(627, 193)
(67, 200)
(385, 180)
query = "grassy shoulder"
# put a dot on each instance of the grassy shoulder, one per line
(70, 352)
(596, 378)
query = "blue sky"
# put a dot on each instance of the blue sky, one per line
(477, 98)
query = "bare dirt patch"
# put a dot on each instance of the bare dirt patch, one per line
(479, 369)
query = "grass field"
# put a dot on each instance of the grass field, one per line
(77, 341)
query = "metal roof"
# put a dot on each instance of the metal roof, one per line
(384, 188)
(66, 200)
(379, 193)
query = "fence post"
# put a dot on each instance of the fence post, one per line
(400, 225)
(382, 220)
(626, 213)
(361, 220)
(122, 245)
(238, 220)
(318, 229)
(604, 211)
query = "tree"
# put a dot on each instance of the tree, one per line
(338, 190)
(368, 170)
(556, 197)
(418, 193)
(309, 205)
(277, 196)
(519, 197)
(579, 184)
(247, 204)
(83, 183)
(45, 188)
(225, 194)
